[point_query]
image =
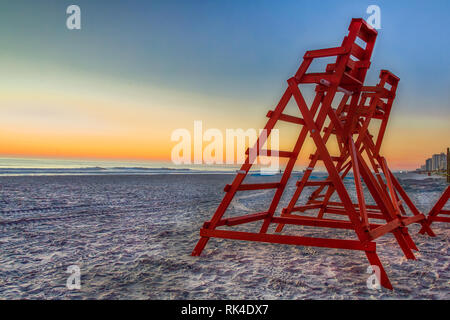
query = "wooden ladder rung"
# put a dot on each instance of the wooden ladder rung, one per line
(439, 219)
(349, 79)
(287, 118)
(272, 153)
(307, 207)
(254, 186)
(357, 51)
(234, 221)
(320, 158)
(316, 183)
(328, 52)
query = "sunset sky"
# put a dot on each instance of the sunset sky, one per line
(137, 70)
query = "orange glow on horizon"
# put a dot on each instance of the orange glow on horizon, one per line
(398, 149)
(35, 125)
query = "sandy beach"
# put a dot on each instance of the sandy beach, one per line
(132, 235)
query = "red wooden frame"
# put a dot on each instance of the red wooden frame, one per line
(437, 213)
(349, 123)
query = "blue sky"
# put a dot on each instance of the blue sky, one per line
(242, 45)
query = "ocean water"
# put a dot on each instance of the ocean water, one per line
(42, 166)
(132, 235)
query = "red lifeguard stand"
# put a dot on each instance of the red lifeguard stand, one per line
(349, 124)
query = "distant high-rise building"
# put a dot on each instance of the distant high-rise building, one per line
(435, 162)
(442, 161)
(428, 165)
(438, 162)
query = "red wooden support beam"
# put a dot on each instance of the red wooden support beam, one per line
(343, 212)
(287, 118)
(358, 184)
(318, 222)
(437, 210)
(313, 222)
(316, 183)
(234, 221)
(272, 153)
(307, 207)
(417, 218)
(382, 230)
(293, 240)
(340, 204)
(332, 157)
(254, 186)
(325, 52)
(440, 219)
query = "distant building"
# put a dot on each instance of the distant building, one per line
(442, 161)
(428, 165)
(435, 162)
(438, 162)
